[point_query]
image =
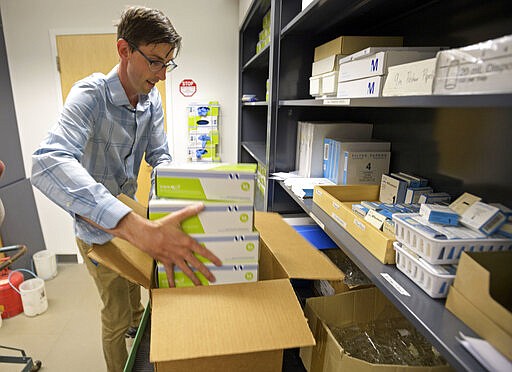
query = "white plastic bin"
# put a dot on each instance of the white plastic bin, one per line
(435, 280)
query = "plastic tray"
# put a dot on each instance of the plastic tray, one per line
(443, 251)
(435, 280)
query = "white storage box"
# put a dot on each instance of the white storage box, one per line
(325, 85)
(361, 88)
(435, 280)
(442, 251)
(479, 68)
(410, 79)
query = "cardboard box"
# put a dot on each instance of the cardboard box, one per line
(181, 316)
(206, 181)
(216, 217)
(337, 202)
(352, 44)
(481, 297)
(363, 305)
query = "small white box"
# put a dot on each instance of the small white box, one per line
(483, 217)
(360, 88)
(330, 84)
(479, 68)
(315, 86)
(392, 190)
(410, 79)
(206, 181)
(378, 63)
(216, 217)
(412, 195)
(439, 214)
(328, 64)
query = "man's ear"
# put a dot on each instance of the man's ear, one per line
(123, 49)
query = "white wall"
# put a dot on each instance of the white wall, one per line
(209, 56)
(243, 7)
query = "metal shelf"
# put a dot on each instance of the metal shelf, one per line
(257, 150)
(433, 101)
(428, 315)
(258, 61)
(255, 103)
(318, 17)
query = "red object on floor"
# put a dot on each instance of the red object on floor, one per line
(10, 300)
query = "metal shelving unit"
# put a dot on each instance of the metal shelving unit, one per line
(429, 315)
(459, 142)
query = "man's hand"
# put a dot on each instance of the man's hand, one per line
(164, 240)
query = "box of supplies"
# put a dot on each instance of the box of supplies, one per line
(206, 181)
(224, 310)
(337, 202)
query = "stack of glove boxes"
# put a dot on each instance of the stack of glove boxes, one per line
(203, 132)
(225, 226)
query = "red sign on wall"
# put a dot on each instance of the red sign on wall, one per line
(188, 87)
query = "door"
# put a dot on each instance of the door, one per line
(79, 56)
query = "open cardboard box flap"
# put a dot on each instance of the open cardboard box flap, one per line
(236, 319)
(297, 257)
(123, 257)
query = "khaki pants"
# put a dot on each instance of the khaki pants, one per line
(121, 309)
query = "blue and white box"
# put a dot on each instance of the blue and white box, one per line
(439, 214)
(483, 217)
(392, 190)
(413, 194)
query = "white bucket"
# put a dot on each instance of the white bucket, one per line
(45, 264)
(33, 297)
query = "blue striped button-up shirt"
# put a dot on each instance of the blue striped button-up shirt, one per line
(95, 151)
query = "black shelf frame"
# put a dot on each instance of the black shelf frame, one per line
(428, 315)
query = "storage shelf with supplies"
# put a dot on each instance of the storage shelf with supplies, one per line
(429, 315)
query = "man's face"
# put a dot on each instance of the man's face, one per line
(140, 75)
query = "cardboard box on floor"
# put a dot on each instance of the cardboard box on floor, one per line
(481, 296)
(342, 310)
(242, 327)
(337, 202)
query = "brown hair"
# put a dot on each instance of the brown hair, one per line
(142, 26)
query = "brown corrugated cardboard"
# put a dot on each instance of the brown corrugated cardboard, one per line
(207, 323)
(337, 202)
(342, 310)
(241, 327)
(352, 44)
(481, 296)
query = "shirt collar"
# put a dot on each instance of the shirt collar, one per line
(119, 97)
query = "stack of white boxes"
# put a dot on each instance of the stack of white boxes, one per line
(203, 132)
(362, 74)
(225, 226)
(323, 82)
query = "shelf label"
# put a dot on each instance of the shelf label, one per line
(318, 222)
(342, 101)
(395, 285)
(359, 224)
(339, 220)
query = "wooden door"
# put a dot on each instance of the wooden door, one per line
(80, 56)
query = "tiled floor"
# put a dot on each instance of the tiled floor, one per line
(67, 336)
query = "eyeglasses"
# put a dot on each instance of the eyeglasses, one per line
(155, 65)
